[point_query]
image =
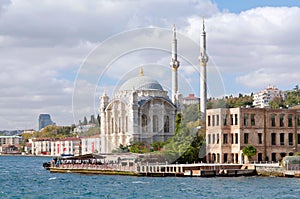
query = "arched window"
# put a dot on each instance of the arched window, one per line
(144, 123)
(112, 125)
(166, 124)
(155, 123)
(126, 124)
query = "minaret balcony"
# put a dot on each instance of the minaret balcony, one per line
(174, 64)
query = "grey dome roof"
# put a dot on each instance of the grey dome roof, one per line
(141, 83)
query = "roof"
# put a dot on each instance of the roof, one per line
(191, 97)
(147, 98)
(141, 83)
(85, 157)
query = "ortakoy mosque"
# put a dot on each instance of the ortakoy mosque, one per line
(141, 110)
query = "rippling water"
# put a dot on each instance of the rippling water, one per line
(24, 177)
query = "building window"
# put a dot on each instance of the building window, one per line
(225, 120)
(208, 137)
(252, 119)
(290, 139)
(298, 120)
(281, 118)
(119, 126)
(218, 138)
(213, 139)
(290, 120)
(144, 123)
(236, 119)
(126, 124)
(273, 123)
(218, 120)
(112, 125)
(281, 139)
(208, 120)
(274, 157)
(213, 120)
(166, 124)
(282, 155)
(246, 116)
(259, 157)
(231, 119)
(298, 135)
(231, 138)
(225, 157)
(225, 138)
(236, 138)
(155, 123)
(273, 138)
(260, 138)
(246, 136)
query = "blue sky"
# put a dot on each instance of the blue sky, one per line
(238, 6)
(52, 58)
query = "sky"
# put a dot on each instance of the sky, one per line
(58, 57)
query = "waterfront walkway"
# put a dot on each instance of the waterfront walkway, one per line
(130, 168)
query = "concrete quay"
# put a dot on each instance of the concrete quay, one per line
(158, 170)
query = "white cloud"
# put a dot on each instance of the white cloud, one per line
(243, 44)
(43, 44)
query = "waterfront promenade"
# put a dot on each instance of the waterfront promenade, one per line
(130, 168)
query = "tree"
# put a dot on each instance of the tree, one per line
(276, 102)
(249, 151)
(98, 120)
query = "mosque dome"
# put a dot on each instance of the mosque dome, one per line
(141, 83)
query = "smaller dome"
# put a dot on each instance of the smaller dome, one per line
(141, 83)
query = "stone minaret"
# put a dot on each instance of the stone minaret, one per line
(174, 64)
(104, 99)
(203, 59)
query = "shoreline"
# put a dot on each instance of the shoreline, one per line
(261, 170)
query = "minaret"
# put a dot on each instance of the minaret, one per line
(203, 59)
(104, 99)
(174, 64)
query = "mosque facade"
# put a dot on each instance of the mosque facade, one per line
(141, 110)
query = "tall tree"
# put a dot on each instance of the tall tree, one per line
(249, 151)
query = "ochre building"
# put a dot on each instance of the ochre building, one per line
(275, 133)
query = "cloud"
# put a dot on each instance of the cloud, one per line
(269, 77)
(256, 40)
(44, 43)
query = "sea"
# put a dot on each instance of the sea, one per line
(24, 177)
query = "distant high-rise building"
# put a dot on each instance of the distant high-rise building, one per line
(45, 120)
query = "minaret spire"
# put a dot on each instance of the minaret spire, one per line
(141, 71)
(174, 64)
(203, 59)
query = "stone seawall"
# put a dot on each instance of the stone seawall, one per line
(270, 171)
(277, 171)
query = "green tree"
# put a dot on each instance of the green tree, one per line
(191, 112)
(98, 121)
(249, 151)
(139, 147)
(157, 146)
(276, 102)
